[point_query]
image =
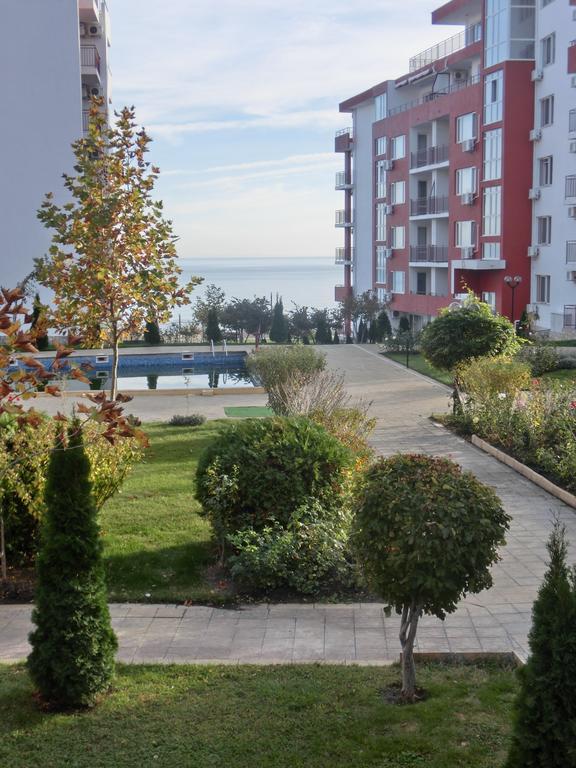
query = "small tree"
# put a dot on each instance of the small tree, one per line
(73, 645)
(426, 534)
(213, 332)
(279, 327)
(38, 324)
(112, 262)
(323, 333)
(404, 324)
(545, 727)
(152, 333)
(384, 326)
(336, 339)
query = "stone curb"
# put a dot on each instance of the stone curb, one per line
(522, 469)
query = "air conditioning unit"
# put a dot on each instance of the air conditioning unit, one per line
(537, 74)
(388, 165)
(534, 194)
(535, 134)
(94, 30)
(572, 211)
(388, 209)
(571, 276)
(533, 251)
(467, 252)
(468, 145)
(459, 76)
(467, 198)
(83, 29)
(572, 146)
(95, 91)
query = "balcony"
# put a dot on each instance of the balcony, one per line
(342, 257)
(570, 316)
(341, 219)
(468, 36)
(342, 181)
(85, 120)
(572, 58)
(429, 206)
(570, 188)
(90, 61)
(436, 294)
(458, 86)
(343, 140)
(341, 292)
(432, 254)
(571, 252)
(429, 156)
(90, 10)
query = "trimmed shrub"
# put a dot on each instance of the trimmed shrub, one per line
(540, 357)
(213, 332)
(545, 723)
(259, 471)
(486, 377)
(274, 367)
(193, 420)
(73, 645)
(152, 333)
(426, 534)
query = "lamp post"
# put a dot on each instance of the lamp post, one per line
(513, 283)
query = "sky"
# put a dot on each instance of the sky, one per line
(241, 98)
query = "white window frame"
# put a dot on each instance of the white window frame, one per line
(548, 49)
(380, 222)
(545, 171)
(489, 297)
(466, 180)
(380, 146)
(398, 282)
(466, 127)
(542, 289)
(398, 147)
(491, 251)
(398, 192)
(381, 264)
(544, 230)
(381, 179)
(547, 111)
(381, 106)
(492, 155)
(493, 97)
(492, 211)
(465, 234)
(397, 237)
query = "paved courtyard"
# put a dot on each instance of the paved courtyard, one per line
(495, 620)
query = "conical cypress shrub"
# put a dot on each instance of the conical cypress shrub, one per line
(545, 725)
(73, 645)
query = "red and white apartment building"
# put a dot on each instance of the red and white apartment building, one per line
(441, 165)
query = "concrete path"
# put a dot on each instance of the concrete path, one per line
(495, 620)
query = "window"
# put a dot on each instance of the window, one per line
(570, 251)
(493, 86)
(493, 154)
(466, 127)
(397, 237)
(544, 230)
(398, 282)
(545, 3)
(381, 145)
(465, 234)
(545, 168)
(547, 111)
(492, 210)
(380, 264)
(491, 251)
(380, 179)
(489, 297)
(570, 187)
(548, 48)
(496, 31)
(572, 120)
(398, 147)
(465, 180)
(398, 192)
(381, 293)
(543, 289)
(380, 222)
(380, 104)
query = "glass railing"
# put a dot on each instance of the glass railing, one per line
(468, 36)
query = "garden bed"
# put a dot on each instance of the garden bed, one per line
(281, 717)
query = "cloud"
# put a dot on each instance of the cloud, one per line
(299, 160)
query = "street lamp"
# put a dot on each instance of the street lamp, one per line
(513, 283)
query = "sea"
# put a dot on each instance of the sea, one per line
(297, 280)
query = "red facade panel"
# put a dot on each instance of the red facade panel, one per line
(572, 57)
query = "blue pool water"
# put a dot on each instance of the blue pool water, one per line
(182, 370)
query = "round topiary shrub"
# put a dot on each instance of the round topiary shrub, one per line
(257, 472)
(426, 534)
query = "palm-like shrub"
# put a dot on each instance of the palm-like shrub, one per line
(73, 645)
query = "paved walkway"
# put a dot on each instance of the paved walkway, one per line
(495, 620)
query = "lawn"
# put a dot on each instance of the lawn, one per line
(419, 364)
(567, 375)
(156, 545)
(269, 717)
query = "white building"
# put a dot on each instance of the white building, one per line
(53, 57)
(553, 251)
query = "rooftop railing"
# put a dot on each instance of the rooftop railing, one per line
(463, 39)
(457, 86)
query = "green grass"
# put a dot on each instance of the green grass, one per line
(567, 375)
(156, 545)
(248, 411)
(419, 364)
(265, 717)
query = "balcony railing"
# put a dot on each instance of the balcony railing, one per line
(429, 156)
(428, 253)
(570, 188)
(468, 36)
(341, 257)
(85, 120)
(341, 219)
(457, 86)
(571, 252)
(570, 316)
(428, 293)
(428, 206)
(342, 181)
(89, 56)
(344, 131)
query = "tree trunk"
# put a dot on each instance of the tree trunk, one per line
(114, 379)
(408, 627)
(3, 563)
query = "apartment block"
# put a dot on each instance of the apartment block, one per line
(438, 169)
(553, 248)
(54, 57)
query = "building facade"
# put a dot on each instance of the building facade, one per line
(440, 162)
(54, 57)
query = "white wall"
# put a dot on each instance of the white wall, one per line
(363, 196)
(555, 17)
(41, 116)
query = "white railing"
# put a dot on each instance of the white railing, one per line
(340, 219)
(471, 34)
(344, 131)
(341, 257)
